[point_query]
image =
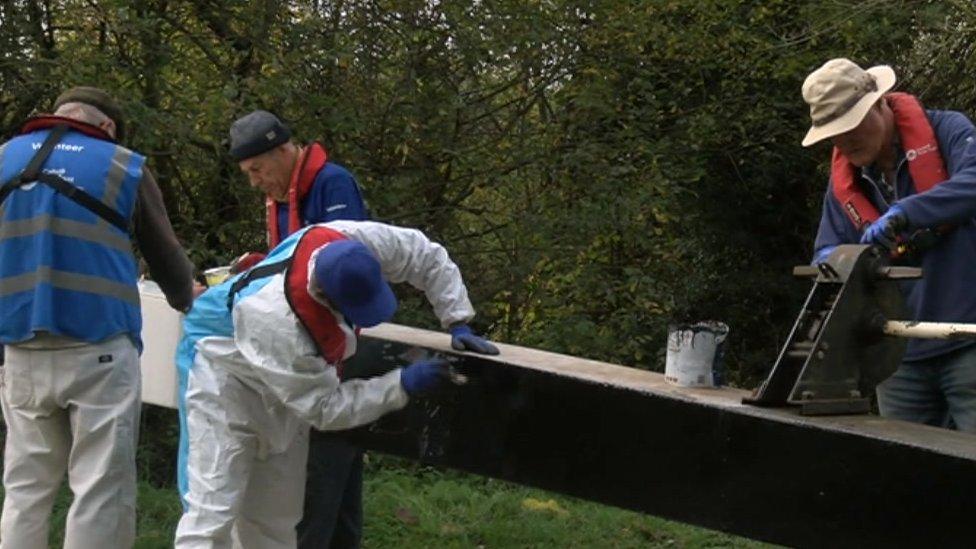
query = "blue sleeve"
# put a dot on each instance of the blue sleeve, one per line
(954, 200)
(335, 195)
(835, 227)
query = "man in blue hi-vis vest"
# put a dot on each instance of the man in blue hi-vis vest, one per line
(260, 362)
(71, 198)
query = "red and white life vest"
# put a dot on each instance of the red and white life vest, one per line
(330, 338)
(921, 147)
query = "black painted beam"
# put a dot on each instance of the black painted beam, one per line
(624, 437)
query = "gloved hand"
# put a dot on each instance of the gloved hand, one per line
(822, 254)
(464, 339)
(424, 376)
(886, 229)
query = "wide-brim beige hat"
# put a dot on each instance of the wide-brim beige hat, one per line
(840, 94)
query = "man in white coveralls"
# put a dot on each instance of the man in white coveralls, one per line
(261, 360)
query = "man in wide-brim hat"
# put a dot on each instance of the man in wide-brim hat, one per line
(904, 178)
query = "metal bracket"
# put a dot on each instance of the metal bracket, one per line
(835, 355)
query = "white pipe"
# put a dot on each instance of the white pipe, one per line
(930, 330)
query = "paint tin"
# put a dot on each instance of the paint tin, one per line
(216, 275)
(695, 354)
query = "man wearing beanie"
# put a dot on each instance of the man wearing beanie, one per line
(72, 197)
(301, 184)
(262, 357)
(303, 187)
(904, 178)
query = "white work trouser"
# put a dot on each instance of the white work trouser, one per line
(242, 479)
(73, 410)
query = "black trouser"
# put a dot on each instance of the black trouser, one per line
(333, 517)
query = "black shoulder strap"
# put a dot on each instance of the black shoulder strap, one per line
(34, 166)
(260, 271)
(80, 197)
(33, 173)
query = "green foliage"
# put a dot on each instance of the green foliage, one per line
(599, 169)
(943, 56)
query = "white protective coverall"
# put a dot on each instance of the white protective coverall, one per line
(251, 399)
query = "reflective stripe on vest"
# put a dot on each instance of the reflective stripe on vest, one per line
(64, 269)
(68, 281)
(102, 234)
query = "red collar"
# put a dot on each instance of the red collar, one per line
(307, 167)
(46, 121)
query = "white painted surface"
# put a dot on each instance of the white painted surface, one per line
(930, 330)
(161, 330)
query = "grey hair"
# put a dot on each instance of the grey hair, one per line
(83, 112)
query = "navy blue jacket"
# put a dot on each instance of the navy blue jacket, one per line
(947, 293)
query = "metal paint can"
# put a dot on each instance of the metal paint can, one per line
(696, 354)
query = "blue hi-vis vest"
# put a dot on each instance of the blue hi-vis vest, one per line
(63, 269)
(210, 317)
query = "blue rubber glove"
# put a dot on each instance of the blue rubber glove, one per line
(822, 255)
(886, 229)
(424, 376)
(463, 339)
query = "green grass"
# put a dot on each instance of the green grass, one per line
(408, 506)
